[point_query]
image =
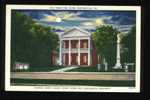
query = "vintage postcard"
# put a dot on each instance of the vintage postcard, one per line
(62, 48)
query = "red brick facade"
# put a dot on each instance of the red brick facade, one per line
(74, 56)
(77, 48)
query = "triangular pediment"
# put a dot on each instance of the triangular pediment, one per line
(76, 32)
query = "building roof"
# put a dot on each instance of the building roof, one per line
(76, 32)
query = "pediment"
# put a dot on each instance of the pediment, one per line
(76, 32)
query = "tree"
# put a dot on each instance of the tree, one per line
(44, 42)
(105, 38)
(20, 37)
(128, 43)
(31, 42)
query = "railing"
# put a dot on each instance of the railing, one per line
(75, 50)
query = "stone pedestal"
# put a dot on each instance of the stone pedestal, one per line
(98, 67)
(106, 66)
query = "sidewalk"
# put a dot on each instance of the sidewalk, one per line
(64, 69)
(74, 76)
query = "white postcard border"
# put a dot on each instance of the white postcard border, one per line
(8, 87)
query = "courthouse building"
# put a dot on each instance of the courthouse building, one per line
(76, 48)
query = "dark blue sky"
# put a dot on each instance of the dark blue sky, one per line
(89, 20)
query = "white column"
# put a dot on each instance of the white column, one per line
(69, 52)
(79, 51)
(60, 52)
(89, 51)
(118, 64)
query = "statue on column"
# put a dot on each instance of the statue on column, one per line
(118, 64)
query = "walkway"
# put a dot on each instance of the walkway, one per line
(75, 76)
(64, 69)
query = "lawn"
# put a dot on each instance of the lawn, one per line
(40, 69)
(80, 69)
(94, 69)
(73, 82)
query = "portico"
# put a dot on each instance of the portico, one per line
(75, 47)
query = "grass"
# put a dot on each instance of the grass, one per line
(74, 82)
(80, 69)
(94, 69)
(40, 69)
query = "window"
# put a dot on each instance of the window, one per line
(84, 44)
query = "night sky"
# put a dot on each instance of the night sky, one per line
(88, 20)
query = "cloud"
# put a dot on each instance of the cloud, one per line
(122, 28)
(64, 16)
(123, 20)
(87, 27)
(106, 17)
(94, 22)
(49, 18)
(97, 21)
(60, 16)
(68, 19)
(125, 28)
(87, 23)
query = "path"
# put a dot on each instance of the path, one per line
(75, 76)
(64, 69)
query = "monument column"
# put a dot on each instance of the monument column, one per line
(118, 64)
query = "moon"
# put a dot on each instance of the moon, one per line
(99, 22)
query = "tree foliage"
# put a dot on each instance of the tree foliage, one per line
(128, 43)
(105, 38)
(31, 42)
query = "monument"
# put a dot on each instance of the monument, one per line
(118, 64)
